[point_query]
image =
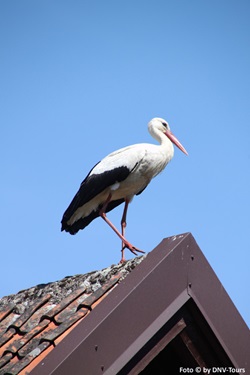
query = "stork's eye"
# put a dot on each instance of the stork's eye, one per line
(165, 124)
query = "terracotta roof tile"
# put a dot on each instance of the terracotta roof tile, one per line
(35, 320)
(33, 360)
(18, 342)
(7, 322)
(10, 344)
(6, 311)
(55, 333)
(18, 323)
(6, 336)
(89, 301)
(36, 340)
(5, 359)
(6, 369)
(64, 303)
(64, 334)
(15, 367)
(71, 309)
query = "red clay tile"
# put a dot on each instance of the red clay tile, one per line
(93, 297)
(36, 340)
(27, 369)
(68, 311)
(65, 302)
(8, 346)
(6, 310)
(5, 370)
(34, 320)
(7, 336)
(5, 359)
(64, 334)
(54, 333)
(27, 314)
(85, 300)
(18, 342)
(21, 364)
(6, 323)
(94, 304)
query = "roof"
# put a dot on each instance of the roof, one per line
(34, 321)
(168, 311)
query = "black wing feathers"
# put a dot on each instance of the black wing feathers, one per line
(91, 186)
(82, 223)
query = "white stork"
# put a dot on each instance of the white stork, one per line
(118, 178)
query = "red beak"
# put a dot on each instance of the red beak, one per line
(173, 139)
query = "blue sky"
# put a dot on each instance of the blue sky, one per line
(80, 79)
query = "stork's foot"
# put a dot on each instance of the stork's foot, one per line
(133, 249)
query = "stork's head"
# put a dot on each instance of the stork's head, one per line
(159, 125)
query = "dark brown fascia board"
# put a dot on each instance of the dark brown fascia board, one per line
(218, 309)
(175, 271)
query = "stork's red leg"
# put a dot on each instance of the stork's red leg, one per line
(124, 217)
(123, 226)
(125, 243)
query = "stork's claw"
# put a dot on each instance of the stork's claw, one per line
(132, 248)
